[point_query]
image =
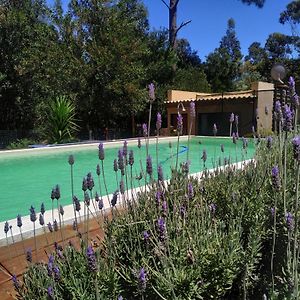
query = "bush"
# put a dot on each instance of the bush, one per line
(60, 124)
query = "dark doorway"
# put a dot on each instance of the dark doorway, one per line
(206, 122)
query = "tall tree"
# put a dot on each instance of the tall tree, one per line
(258, 3)
(173, 28)
(222, 67)
(291, 15)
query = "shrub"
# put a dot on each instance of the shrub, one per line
(60, 123)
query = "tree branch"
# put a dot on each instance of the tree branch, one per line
(182, 25)
(165, 3)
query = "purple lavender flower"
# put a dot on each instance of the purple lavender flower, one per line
(269, 142)
(158, 121)
(292, 83)
(90, 181)
(278, 111)
(55, 225)
(98, 171)
(179, 123)
(50, 227)
(212, 208)
(131, 158)
(87, 199)
(146, 236)
(151, 88)
(185, 166)
(121, 161)
(56, 273)
(32, 214)
(71, 160)
(149, 168)
(204, 156)
(43, 209)
(114, 198)
(125, 149)
(98, 199)
(139, 143)
(61, 210)
(295, 100)
(160, 174)
(59, 254)
(234, 138)
(19, 221)
(52, 196)
(51, 259)
(145, 130)
(182, 211)
(289, 220)
(190, 190)
(41, 220)
(29, 255)
(222, 148)
(161, 226)
(122, 187)
(50, 292)
(275, 178)
(231, 119)
(142, 277)
(91, 259)
(215, 129)
(272, 209)
(158, 198)
(84, 184)
(50, 268)
(57, 192)
(101, 151)
(192, 110)
(288, 118)
(76, 203)
(15, 282)
(253, 131)
(164, 208)
(236, 120)
(120, 297)
(296, 148)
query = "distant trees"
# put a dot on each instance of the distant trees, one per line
(222, 66)
(101, 55)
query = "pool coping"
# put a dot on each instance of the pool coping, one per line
(110, 143)
(68, 218)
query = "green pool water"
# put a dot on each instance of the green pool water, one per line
(28, 177)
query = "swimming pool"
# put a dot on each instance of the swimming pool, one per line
(27, 177)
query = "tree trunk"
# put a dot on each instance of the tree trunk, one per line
(173, 23)
(133, 125)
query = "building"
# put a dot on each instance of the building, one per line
(254, 108)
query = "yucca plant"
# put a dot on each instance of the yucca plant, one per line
(60, 123)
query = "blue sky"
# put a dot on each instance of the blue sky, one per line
(209, 21)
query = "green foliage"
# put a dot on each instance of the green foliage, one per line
(20, 144)
(258, 3)
(60, 123)
(222, 66)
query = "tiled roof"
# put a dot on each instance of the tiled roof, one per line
(218, 96)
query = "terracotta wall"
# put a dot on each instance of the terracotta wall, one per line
(264, 92)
